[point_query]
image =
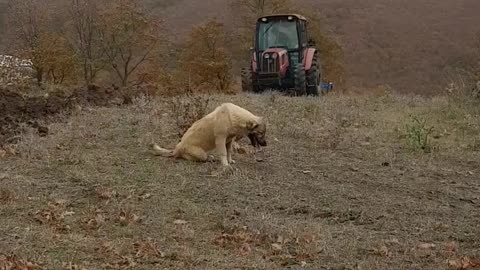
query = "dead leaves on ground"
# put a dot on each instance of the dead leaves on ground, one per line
(54, 215)
(141, 252)
(72, 266)
(13, 262)
(105, 194)
(127, 217)
(381, 251)
(292, 250)
(449, 250)
(6, 196)
(148, 251)
(463, 263)
(94, 220)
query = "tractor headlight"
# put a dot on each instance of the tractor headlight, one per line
(275, 56)
(267, 56)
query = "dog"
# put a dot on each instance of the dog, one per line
(218, 132)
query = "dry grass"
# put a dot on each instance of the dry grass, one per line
(339, 188)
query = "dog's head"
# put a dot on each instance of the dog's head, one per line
(256, 133)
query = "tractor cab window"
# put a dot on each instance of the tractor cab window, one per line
(278, 34)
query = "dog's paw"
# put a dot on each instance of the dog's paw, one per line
(228, 169)
(232, 161)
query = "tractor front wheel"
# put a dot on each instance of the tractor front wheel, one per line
(313, 77)
(299, 78)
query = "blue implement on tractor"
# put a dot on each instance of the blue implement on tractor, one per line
(327, 87)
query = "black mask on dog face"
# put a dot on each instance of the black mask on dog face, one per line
(256, 140)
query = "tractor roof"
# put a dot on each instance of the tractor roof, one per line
(297, 16)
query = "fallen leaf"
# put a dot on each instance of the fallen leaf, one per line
(245, 249)
(426, 246)
(451, 247)
(72, 266)
(106, 194)
(463, 263)
(145, 196)
(382, 251)
(127, 217)
(180, 222)
(454, 264)
(259, 159)
(3, 153)
(280, 239)
(69, 213)
(277, 247)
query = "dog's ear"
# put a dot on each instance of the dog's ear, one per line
(251, 125)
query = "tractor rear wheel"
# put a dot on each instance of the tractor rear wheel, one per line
(248, 85)
(299, 79)
(313, 77)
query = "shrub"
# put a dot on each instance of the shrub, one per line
(187, 109)
(205, 62)
(418, 134)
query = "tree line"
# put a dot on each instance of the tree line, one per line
(118, 41)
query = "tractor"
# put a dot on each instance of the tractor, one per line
(283, 57)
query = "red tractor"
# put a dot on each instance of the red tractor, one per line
(283, 57)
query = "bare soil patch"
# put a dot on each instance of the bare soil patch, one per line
(17, 108)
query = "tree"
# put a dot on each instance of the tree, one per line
(84, 35)
(58, 58)
(331, 53)
(129, 38)
(27, 22)
(205, 60)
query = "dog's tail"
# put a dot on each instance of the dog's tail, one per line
(159, 151)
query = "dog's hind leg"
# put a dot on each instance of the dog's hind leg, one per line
(194, 153)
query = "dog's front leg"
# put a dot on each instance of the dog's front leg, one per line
(221, 145)
(229, 152)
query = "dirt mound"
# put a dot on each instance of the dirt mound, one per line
(16, 108)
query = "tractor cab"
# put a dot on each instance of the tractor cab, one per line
(282, 57)
(281, 32)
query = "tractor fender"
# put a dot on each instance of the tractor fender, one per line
(308, 58)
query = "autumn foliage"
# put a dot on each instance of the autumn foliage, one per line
(119, 42)
(109, 37)
(128, 37)
(205, 61)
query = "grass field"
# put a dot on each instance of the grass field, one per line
(346, 183)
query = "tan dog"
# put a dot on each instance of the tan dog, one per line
(218, 131)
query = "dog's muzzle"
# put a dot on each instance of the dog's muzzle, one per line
(257, 142)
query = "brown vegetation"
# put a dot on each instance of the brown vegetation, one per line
(205, 61)
(118, 38)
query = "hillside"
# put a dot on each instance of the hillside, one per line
(338, 188)
(409, 45)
